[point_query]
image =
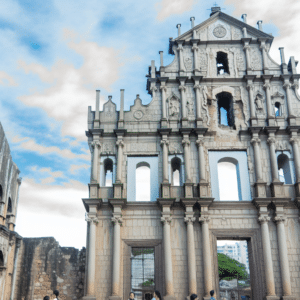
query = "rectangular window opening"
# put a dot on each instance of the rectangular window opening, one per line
(234, 270)
(142, 273)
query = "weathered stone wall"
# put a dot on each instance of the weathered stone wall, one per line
(44, 266)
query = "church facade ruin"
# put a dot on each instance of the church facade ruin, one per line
(223, 99)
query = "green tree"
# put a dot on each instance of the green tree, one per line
(230, 268)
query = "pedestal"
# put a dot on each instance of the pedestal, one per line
(118, 187)
(164, 123)
(199, 122)
(94, 190)
(203, 188)
(260, 189)
(188, 190)
(277, 189)
(165, 190)
(185, 122)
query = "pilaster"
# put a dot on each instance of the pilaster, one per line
(250, 88)
(182, 89)
(198, 97)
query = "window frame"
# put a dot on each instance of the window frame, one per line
(102, 170)
(291, 164)
(243, 177)
(181, 171)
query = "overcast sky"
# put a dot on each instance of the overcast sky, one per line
(54, 54)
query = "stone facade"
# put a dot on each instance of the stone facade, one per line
(9, 239)
(220, 65)
(44, 266)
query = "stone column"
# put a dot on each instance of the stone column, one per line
(203, 184)
(166, 219)
(190, 219)
(180, 50)
(117, 221)
(294, 142)
(197, 89)
(186, 145)
(207, 269)
(97, 112)
(283, 257)
(165, 143)
(246, 48)
(264, 54)
(163, 88)
(121, 114)
(287, 86)
(271, 141)
(120, 145)
(96, 146)
(92, 220)
(182, 90)
(270, 109)
(195, 51)
(250, 88)
(268, 264)
(258, 170)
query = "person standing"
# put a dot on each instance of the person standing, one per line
(156, 295)
(56, 293)
(212, 295)
(131, 296)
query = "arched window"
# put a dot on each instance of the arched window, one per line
(222, 63)
(175, 169)
(228, 177)
(1, 259)
(284, 169)
(142, 183)
(108, 172)
(225, 109)
(277, 108)
(9, 206)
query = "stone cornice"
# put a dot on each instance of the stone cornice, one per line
(120, 132)
(87, 202)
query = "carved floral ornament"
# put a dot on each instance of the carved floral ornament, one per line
(280, 219)
(138, 114)
(96, 144)
(166, 218)
(189, 219)
(164, 142)
(93, 219)
(117, 219)
(204, 219)
(220, 31)
(263, 219)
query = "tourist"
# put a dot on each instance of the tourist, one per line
(131, 296)
(56, 293)
(46, 298)
(193, 297)
(212, 295)
(156, 295)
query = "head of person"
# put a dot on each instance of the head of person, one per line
(193, 297)
(157, 295)
(131, 295)
(46, 298)
(56, 293)
(212, 292)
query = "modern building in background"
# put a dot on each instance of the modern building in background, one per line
(237, 251)
(201, 162)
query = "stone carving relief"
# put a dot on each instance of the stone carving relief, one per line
(256, 63)
(190, 108)
(107, 148)
(138, 114)
(109, 108)
(142, 147)
(212, 68)
(175, 148)
(259, 102)
(188, 64)
(240, 61)
(219, 31)
(283, 145)
(236, 33)
(174, 107)
(202, 59)
(204, 93)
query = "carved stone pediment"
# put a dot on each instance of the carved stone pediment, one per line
(109, 111)
(221, 26)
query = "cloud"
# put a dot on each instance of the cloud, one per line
(75, 168)
(166, 8)
(72, 89)
(48, 171)
(53, 210)
(7, 80)
(285, 17)
(31, 145)
(62, 199)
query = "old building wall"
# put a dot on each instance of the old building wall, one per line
(44, 266)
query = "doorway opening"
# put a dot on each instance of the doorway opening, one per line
(234, 270)
(142, 273)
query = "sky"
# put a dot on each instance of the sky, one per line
(55, 54)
